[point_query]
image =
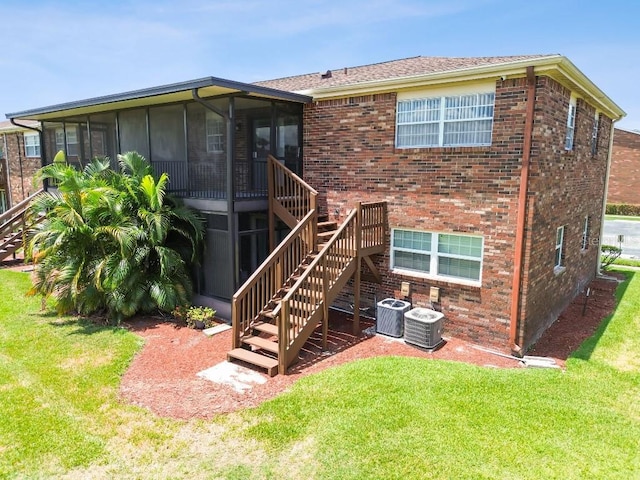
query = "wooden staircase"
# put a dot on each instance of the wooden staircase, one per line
(288, 297)
(14, 227)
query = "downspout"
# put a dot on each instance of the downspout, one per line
(231, 223)
(521, 215)
(6, 163)
(606, 194)
(20, 164)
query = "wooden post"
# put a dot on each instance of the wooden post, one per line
(356, 287)
(235, 324)
(271, 194)
(325, 303)
(283, 338)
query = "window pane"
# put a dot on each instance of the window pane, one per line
(460, 268)
(477, 132)
(412, 240)
(460, 245)
(412, 261)
(425, 135)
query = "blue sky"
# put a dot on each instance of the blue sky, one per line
(59, 51)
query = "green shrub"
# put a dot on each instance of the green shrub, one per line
(195, 316)
(623, 209)
(609, 254)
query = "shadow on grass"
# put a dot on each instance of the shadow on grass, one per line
(587, 347)
(85, 326)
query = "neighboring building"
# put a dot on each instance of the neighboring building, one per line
(624, 177)
(493, 170)
(19, 160)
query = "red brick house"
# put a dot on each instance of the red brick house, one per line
(493, 171)
(19, 160)
(625, 168)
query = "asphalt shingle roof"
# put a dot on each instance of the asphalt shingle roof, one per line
(406, 67)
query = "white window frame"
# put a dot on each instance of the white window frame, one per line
(471, 108)
(571, 124)
(214, 131)
(71, 147)
(559, 250)
(434, 255)
(585, 232)
(31, 145)
(594, 134)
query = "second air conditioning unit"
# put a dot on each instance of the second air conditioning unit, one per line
(423, 327)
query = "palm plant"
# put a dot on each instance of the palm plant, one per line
(113, 241)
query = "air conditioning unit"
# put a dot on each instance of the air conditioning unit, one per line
(423, 328)
(390, 316)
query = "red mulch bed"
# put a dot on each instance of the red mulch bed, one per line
(162, 377)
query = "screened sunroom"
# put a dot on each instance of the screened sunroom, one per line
(212, 137)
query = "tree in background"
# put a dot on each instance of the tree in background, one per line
(112, 241)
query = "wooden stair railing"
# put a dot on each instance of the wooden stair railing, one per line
(290, 197)
(307, 302)
(284, 301)
(14, 227)
(257, 296)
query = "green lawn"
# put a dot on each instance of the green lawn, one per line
(380, 418)
(622, 217)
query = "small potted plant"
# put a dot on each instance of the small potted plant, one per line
(193, 316)
(200, 317)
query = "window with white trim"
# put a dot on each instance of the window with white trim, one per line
(437, 255)
(72, 148)
(571, 124)
(594, 134)
(585, 233)
(559, 248)
(215, 133)
(445, 121)
(31, 145)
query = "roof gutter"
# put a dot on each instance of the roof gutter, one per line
(43, 160)
(556, 66)
(521, 214)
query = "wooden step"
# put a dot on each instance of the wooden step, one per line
(327, 226)
(268, 363)
(269, 328)
(325, 236)
(261, 343)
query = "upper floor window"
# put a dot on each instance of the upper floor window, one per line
(437, 255)
(71, 149)
(31, 145)
(215, 133)
(445, 121)
(594, 134)
(571, 124)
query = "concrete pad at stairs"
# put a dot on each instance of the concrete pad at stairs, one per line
(209, 332)
(241, 379)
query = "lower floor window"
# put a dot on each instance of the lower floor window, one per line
(559, 247)
(437, 254)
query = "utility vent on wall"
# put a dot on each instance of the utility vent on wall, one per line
(423, 327)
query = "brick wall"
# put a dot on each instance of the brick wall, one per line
(350, 156)
(564, 187)
(625, 168)
(21, 168)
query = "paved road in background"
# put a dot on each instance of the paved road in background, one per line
(631, 232)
